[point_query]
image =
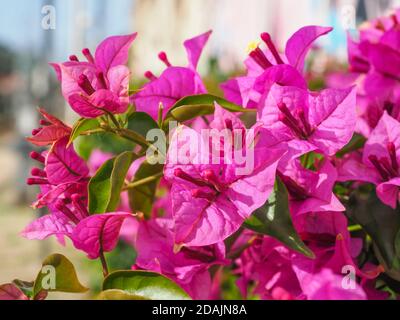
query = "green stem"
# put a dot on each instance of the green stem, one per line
(132, 136)
(114, 120)
(103, 263)
(143, 181)
(89, 132)
(354, 228)
(112, 117)
(160, 115)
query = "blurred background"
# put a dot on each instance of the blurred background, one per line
(36, 32)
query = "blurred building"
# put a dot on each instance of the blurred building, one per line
(164, 24)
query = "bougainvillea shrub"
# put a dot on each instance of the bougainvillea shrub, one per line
(273, 191)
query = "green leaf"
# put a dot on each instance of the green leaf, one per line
(116, 294)
(57, 274)
(203, 104)
(356, 142)
(104, 141)
(141, 123)
(397, 244)
(106, 185)
(274, 219)
(25, 286)
(141, 198)
(81, 126)
(184, 113)
(143, 285)
(379, 221)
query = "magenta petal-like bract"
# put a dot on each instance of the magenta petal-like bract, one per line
(9, 291)
(317, 186)
(63, 164)
(46, 226)
(113, 51)
(326, 285)
(98, 233)
(70, 73)
(203, 221)
(330, 114)
(189, 267)
(299, 44)
(194, 48)
(172, 85)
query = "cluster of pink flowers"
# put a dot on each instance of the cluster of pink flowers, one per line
(314, 149)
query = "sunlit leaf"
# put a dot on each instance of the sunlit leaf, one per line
(57, 274)
(141, 198)
(105, 186)
(202, 104)
(141, 123)
(81, 126)
(143, 285)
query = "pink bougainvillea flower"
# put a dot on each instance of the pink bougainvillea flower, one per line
(280, 273)
(67, 207)
(211, 201)
(63, 165)
(194, 47)
(189, 267)
(310, 190)
(98, 233)
(223, 119)
(323, 121)
(266, 67)
(101, 84)
(326, 234)
(48, 225)
(327, 285)
(378, 77)
(175, 82)
(51, 130)
(65, 175)
(63, 185)
(64, 172)
(368, 110)
(69, 217)
(266, 263)
(380, 161)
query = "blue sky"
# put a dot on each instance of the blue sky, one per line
(20, 23)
